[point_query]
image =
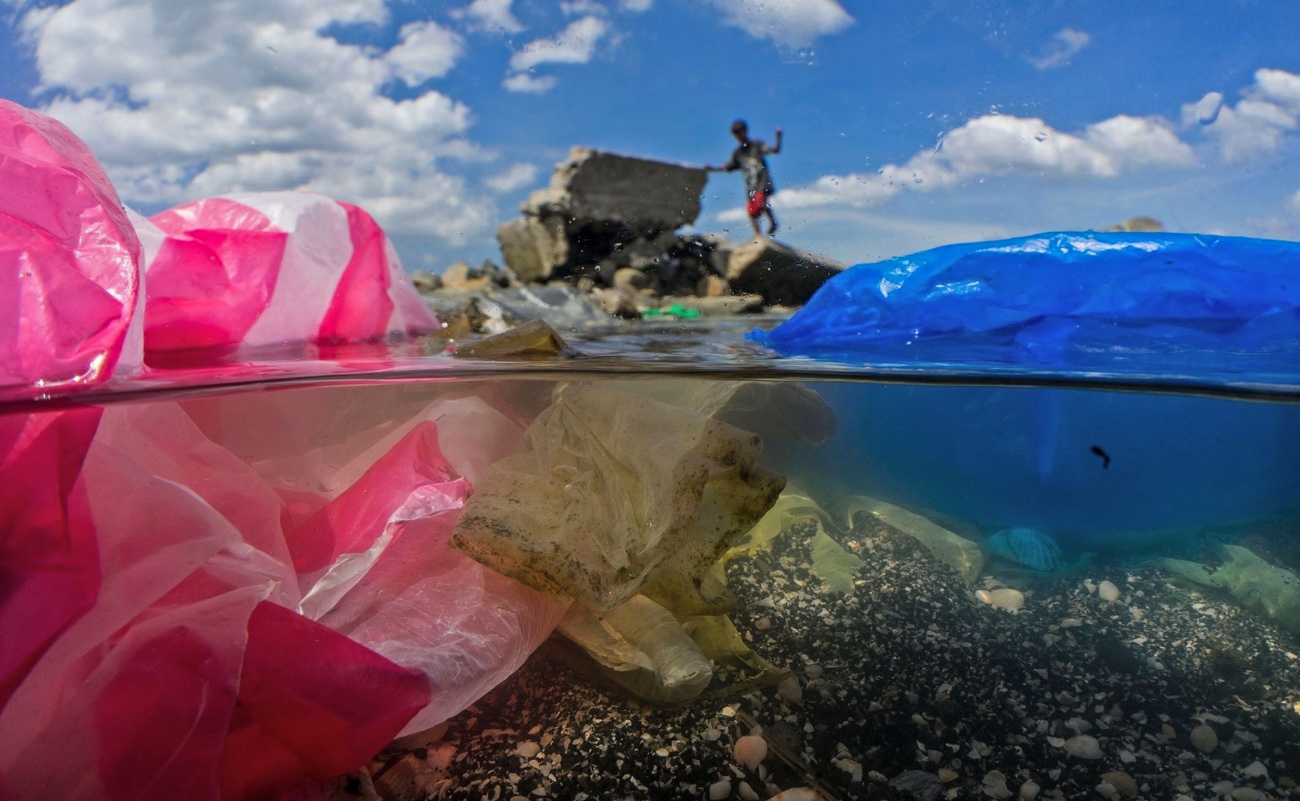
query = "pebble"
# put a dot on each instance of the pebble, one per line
(1122, 782)
(528, 749)
(763, 623)
(1204, 739)
(1029, 790)
(1083, 746)
(750, 751)
(789, 690)
(947, 774)
(746, 792)
(995, 785)
(1003, 598)
(719, 790)
(1256, 769)
(1108, 592)
(796, 794)
(1247, 794)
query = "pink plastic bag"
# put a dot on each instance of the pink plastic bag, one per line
(69, 260)
(228, 596)
(267, 268)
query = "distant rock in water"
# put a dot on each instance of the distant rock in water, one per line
(1137, 225)
(1029, 548)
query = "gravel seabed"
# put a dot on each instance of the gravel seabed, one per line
(909, 687)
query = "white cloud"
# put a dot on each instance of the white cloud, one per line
(1064, 45)
(493, 16)
(529, 84)
(573, 8)
(425, 50)
(636, 6)
(516, 177)
(185, 101)
(791, 23)
(1293, 204)
(1258, 124)
(576, 44)
(1004, 145)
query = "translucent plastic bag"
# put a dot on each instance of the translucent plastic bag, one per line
(264, 268)
(69, 260)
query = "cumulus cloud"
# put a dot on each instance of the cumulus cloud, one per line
(1258, 124)
(994, 145)
(791, 23)
(576, 44)
(1064, 45)
(516, 177)
(493, 16)
(1293, 204)
(425, 50)
(186, 101)
(574, 8)
(636, 6)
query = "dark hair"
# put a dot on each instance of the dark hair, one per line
(739, 125)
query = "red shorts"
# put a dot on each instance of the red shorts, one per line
(756, 204)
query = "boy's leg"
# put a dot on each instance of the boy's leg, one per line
(771, 231)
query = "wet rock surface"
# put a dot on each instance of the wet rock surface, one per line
(910, 687)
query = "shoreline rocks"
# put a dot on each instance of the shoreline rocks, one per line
(608, 226)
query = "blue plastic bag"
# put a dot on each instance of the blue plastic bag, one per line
(1207, 309)
(1091, 467)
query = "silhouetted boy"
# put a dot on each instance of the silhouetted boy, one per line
(748, 158)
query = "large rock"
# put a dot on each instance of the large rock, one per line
(532, 248)
(646, 194)
(783, 275)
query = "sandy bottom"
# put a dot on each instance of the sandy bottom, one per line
(907, 688)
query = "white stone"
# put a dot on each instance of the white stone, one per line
(1083, 746)
(1003, 598)
(1029, 790)
(995, 785)
(790, 690)
(719, 790)
(1123, 783)
(750, 751)
(1204, 739)
(1255, 769)
(528, 749)
(1108, 591)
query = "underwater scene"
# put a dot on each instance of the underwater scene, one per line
(661, 578)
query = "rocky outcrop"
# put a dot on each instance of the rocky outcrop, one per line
(782, 275)
(606, 230)
(601, 212)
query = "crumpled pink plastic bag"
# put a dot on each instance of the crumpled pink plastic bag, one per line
(227, 596)
(265, 268)
(69, 260)
(200, 603)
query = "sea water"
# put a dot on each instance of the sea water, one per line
(1052, 483)
(1099, 467)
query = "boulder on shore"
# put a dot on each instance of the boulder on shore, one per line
(601, 212)
(782, 275)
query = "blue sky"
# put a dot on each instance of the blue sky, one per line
(907, 124)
